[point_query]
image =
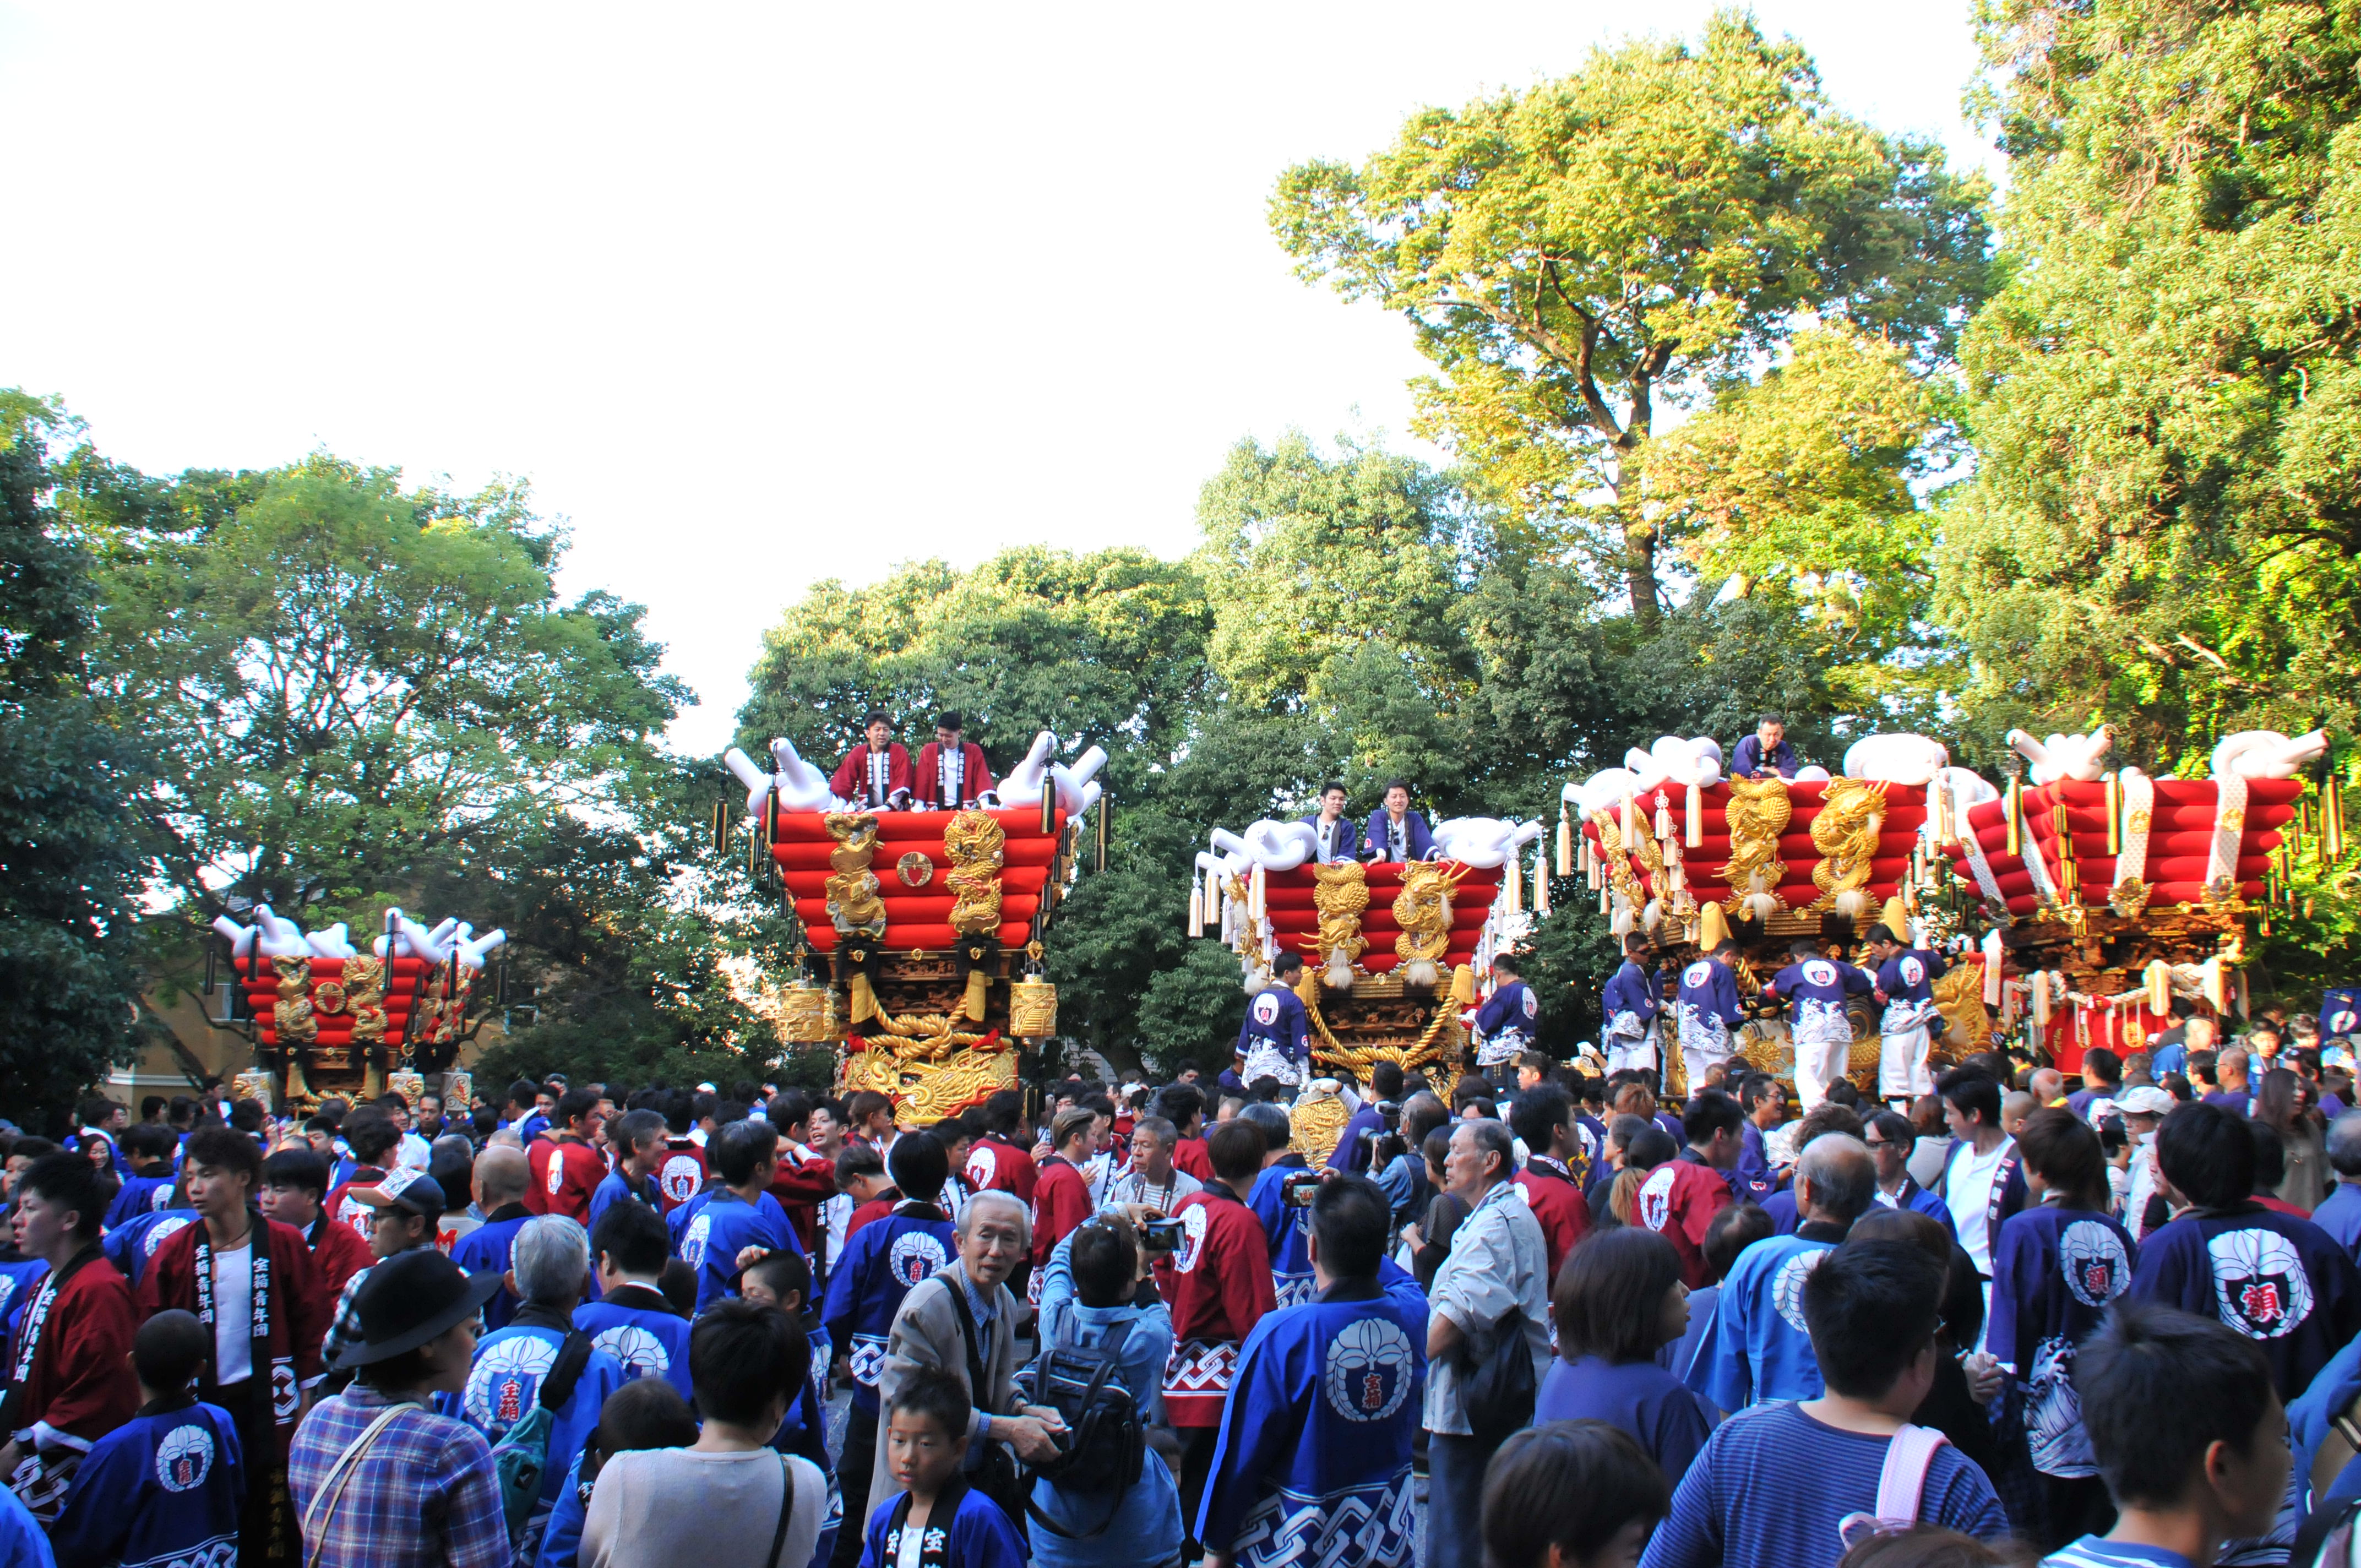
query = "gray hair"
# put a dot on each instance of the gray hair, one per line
(2345, 1144)
(1270, 1121)
(975, 1206)
(1843, 1175)
(1165, 1134)
(1493, 1137)
(550, 1257)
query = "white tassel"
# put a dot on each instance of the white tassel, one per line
(1257, 896)
(1512, 886)
(1696, 816)
(1540, 887)
(1664, 819)
(1196, 909)
(2041, 999)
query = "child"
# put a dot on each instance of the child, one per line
(169, 1485)
(783, 1279)
(1570, 1495)
(925, 1447)
(646, 1412)
(2189, 1432)
(1872, 1308)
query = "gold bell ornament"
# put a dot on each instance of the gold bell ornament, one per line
(1032, 1008)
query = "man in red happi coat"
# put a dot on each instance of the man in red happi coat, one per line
(252, 1283)
(567, 1169)
(1062, 1200)
(950, 773)
(875, 775)
(71, 1353)
(1217, 1282)
(999, 1162)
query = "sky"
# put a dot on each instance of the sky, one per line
(756, 296)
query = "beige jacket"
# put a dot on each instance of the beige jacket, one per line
(925, 1334)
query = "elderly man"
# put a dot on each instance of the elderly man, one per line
(1756, 1349)
(1764, 751)
(2143, 1110)
(1153, 1181)
(2340, 1212)
(962, 1320)
(1492, 1290)
(549, 1264)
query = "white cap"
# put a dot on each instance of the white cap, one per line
(2145, 1101)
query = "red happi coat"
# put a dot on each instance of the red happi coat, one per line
(338, 1254)
(927, 776)
(299, 1314)
(1061, 1201)
(1218, 1284)
(852, 780)
(565, 1174)
(81, 1385)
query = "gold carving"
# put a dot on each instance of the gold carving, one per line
(1845, 833)
(291, 1015)
(1758, 811)
(2129, 899)
(1616, 862)
(1032, 1008)
(2139, 820)
(808, 1013)
(851, 889)
(915, 870)
(1959, 994)
(1317, 1119)
(925, 1091)
(407, 1083)
(975, 843)
(328, 996)
(251, 1085)
(1422, 908)
(2232, 820)
(458, 1090)
(1339, 895)
(365, 999)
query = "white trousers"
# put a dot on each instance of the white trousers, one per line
(1623, 1051)
(1819, 1063)
(1698, 1061)
(1902, 1063)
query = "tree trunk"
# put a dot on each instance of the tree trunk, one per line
(1640, 576)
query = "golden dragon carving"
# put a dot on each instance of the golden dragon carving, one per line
(1845, 833)
(975, 844)
(1339, 895)
(1423, 909)
(1758, 812)
(851, 889)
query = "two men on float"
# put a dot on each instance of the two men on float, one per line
(951, 774)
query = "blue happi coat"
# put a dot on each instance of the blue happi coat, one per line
(1287, 1230)
(1707, 1007)
(1631, 1001)
(2278, 1280)
(2054, 1271)
(129, 1246)
(1507, 1020)
(1276, 1026)
(1313, 1464)
(1908, 978)
(1759, 1348)
(1814, 991)
(163, 1490)
(138, 1195)
(725, 1225)
(640, 1330)
(881, 1262)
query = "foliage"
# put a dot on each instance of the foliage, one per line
(67, 876)
(1654, 225)
(2167, 393)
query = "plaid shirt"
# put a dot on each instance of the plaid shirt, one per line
(422, 1496)
(344, 1322)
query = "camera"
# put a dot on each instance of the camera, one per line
(1297, 1191)
(1159, 1235)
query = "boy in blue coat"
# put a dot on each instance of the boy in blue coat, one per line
(925, 1446)
(168, 1485)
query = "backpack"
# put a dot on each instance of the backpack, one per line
(1104, 1446)
(1901, 1487)
(521, 1457)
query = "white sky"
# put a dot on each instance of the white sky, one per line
(757, 295)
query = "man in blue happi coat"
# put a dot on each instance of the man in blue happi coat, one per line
(1706, 1010)
(1396, 832)
(1764, 751)
(881, 1262)
(1814, 991)
(1275, 1041)
(1313, 1463)
(1632, 999)
(1906, 1029)
(1336, 833)
(1505, 1024)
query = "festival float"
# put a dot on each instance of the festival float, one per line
(920, 934)
(328, 1019)
(1393, 952)
(2074, 903)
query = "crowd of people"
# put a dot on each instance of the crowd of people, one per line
(1542, 1317)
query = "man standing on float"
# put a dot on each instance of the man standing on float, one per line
(875, 775)
(952, 774)
(1275, 1039)
(1504, 1024)
(1906, 1030)
(1632, 998)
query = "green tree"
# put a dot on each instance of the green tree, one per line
(2167, 393)
(1575, 256)
(68, 874)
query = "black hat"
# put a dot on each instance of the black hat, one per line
(411, 1298)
